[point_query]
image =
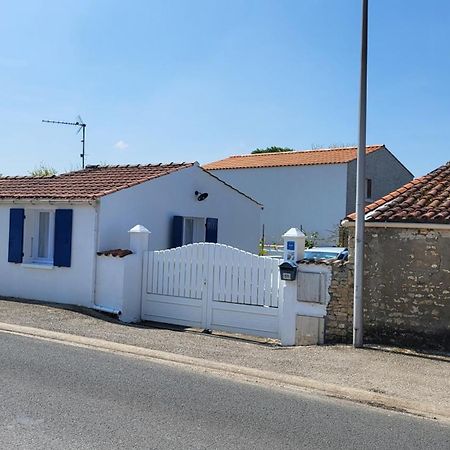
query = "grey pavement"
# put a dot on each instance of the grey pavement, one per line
(403, 375)
(56, 396)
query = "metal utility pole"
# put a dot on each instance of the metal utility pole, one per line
(82, 126)
(358, 312)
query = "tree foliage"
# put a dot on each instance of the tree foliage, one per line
(272, 150)
(43, 171)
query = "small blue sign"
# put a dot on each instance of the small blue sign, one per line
(290, 245)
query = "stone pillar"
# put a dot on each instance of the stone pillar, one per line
(294, 249)
(132, 298)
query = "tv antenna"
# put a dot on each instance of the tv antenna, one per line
(82, 127)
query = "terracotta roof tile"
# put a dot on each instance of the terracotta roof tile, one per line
(422, 200)
(297, 158)
(86, 184)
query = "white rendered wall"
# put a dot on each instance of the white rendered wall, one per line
(70, 285)
(154, 203)
(110, 282)
(310, 197)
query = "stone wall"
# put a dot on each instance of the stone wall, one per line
(406, 291)
(339, 318)
(408, 287)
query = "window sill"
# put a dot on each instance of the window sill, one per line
(36, 265)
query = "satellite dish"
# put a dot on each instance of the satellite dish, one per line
(201, 197)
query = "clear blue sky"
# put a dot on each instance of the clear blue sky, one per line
(162, 80)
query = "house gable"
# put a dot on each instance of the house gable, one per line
(155, 203)
(385, 173)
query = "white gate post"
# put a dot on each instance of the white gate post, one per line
(294, 250)
(132, 297)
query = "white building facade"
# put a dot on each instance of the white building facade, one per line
(311, 190)
(53, 227)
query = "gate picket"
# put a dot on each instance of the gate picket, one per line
(217, 282)
(247, 279)
(148, 272)
(235, 273)
(188, 279)
(254, 280)
(228, 280)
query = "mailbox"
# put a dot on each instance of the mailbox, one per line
(288, 271)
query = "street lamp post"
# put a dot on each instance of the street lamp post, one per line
(358, 313)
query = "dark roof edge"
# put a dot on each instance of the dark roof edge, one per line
(229, 185)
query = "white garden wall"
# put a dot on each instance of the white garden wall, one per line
(109, 291)
(69, 285)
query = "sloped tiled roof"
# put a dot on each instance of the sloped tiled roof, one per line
(422, 200)
(87, 184)
(297, 158)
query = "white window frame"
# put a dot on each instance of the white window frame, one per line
(34, 237)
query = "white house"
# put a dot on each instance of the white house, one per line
(312, 190)
(53, 227)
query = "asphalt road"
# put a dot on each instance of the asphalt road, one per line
(55, 396)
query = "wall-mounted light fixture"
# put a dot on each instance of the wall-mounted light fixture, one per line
(200, 196)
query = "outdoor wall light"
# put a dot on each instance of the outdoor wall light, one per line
(200, 196)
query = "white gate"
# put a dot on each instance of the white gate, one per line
(212, 286)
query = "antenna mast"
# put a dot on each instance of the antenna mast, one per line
(82, 127)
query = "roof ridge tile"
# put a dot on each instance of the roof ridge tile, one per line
(291, 152)
(338, 155)
(85, 184)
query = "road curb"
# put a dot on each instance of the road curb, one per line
(422, 409)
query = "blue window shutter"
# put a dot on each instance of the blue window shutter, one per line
(16, 222)
(177, 232)
(63, 238)
(211, 230)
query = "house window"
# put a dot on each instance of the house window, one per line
(39, 236)
(187, 230)
(43, 235)
(368, 189)
(194, 230)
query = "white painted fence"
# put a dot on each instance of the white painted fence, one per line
(216, 287)
(212, 286)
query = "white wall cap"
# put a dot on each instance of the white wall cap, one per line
(139, 229)
(294, 233)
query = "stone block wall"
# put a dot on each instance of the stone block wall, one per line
(406, 291)
(407, 287)
(339, 318)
